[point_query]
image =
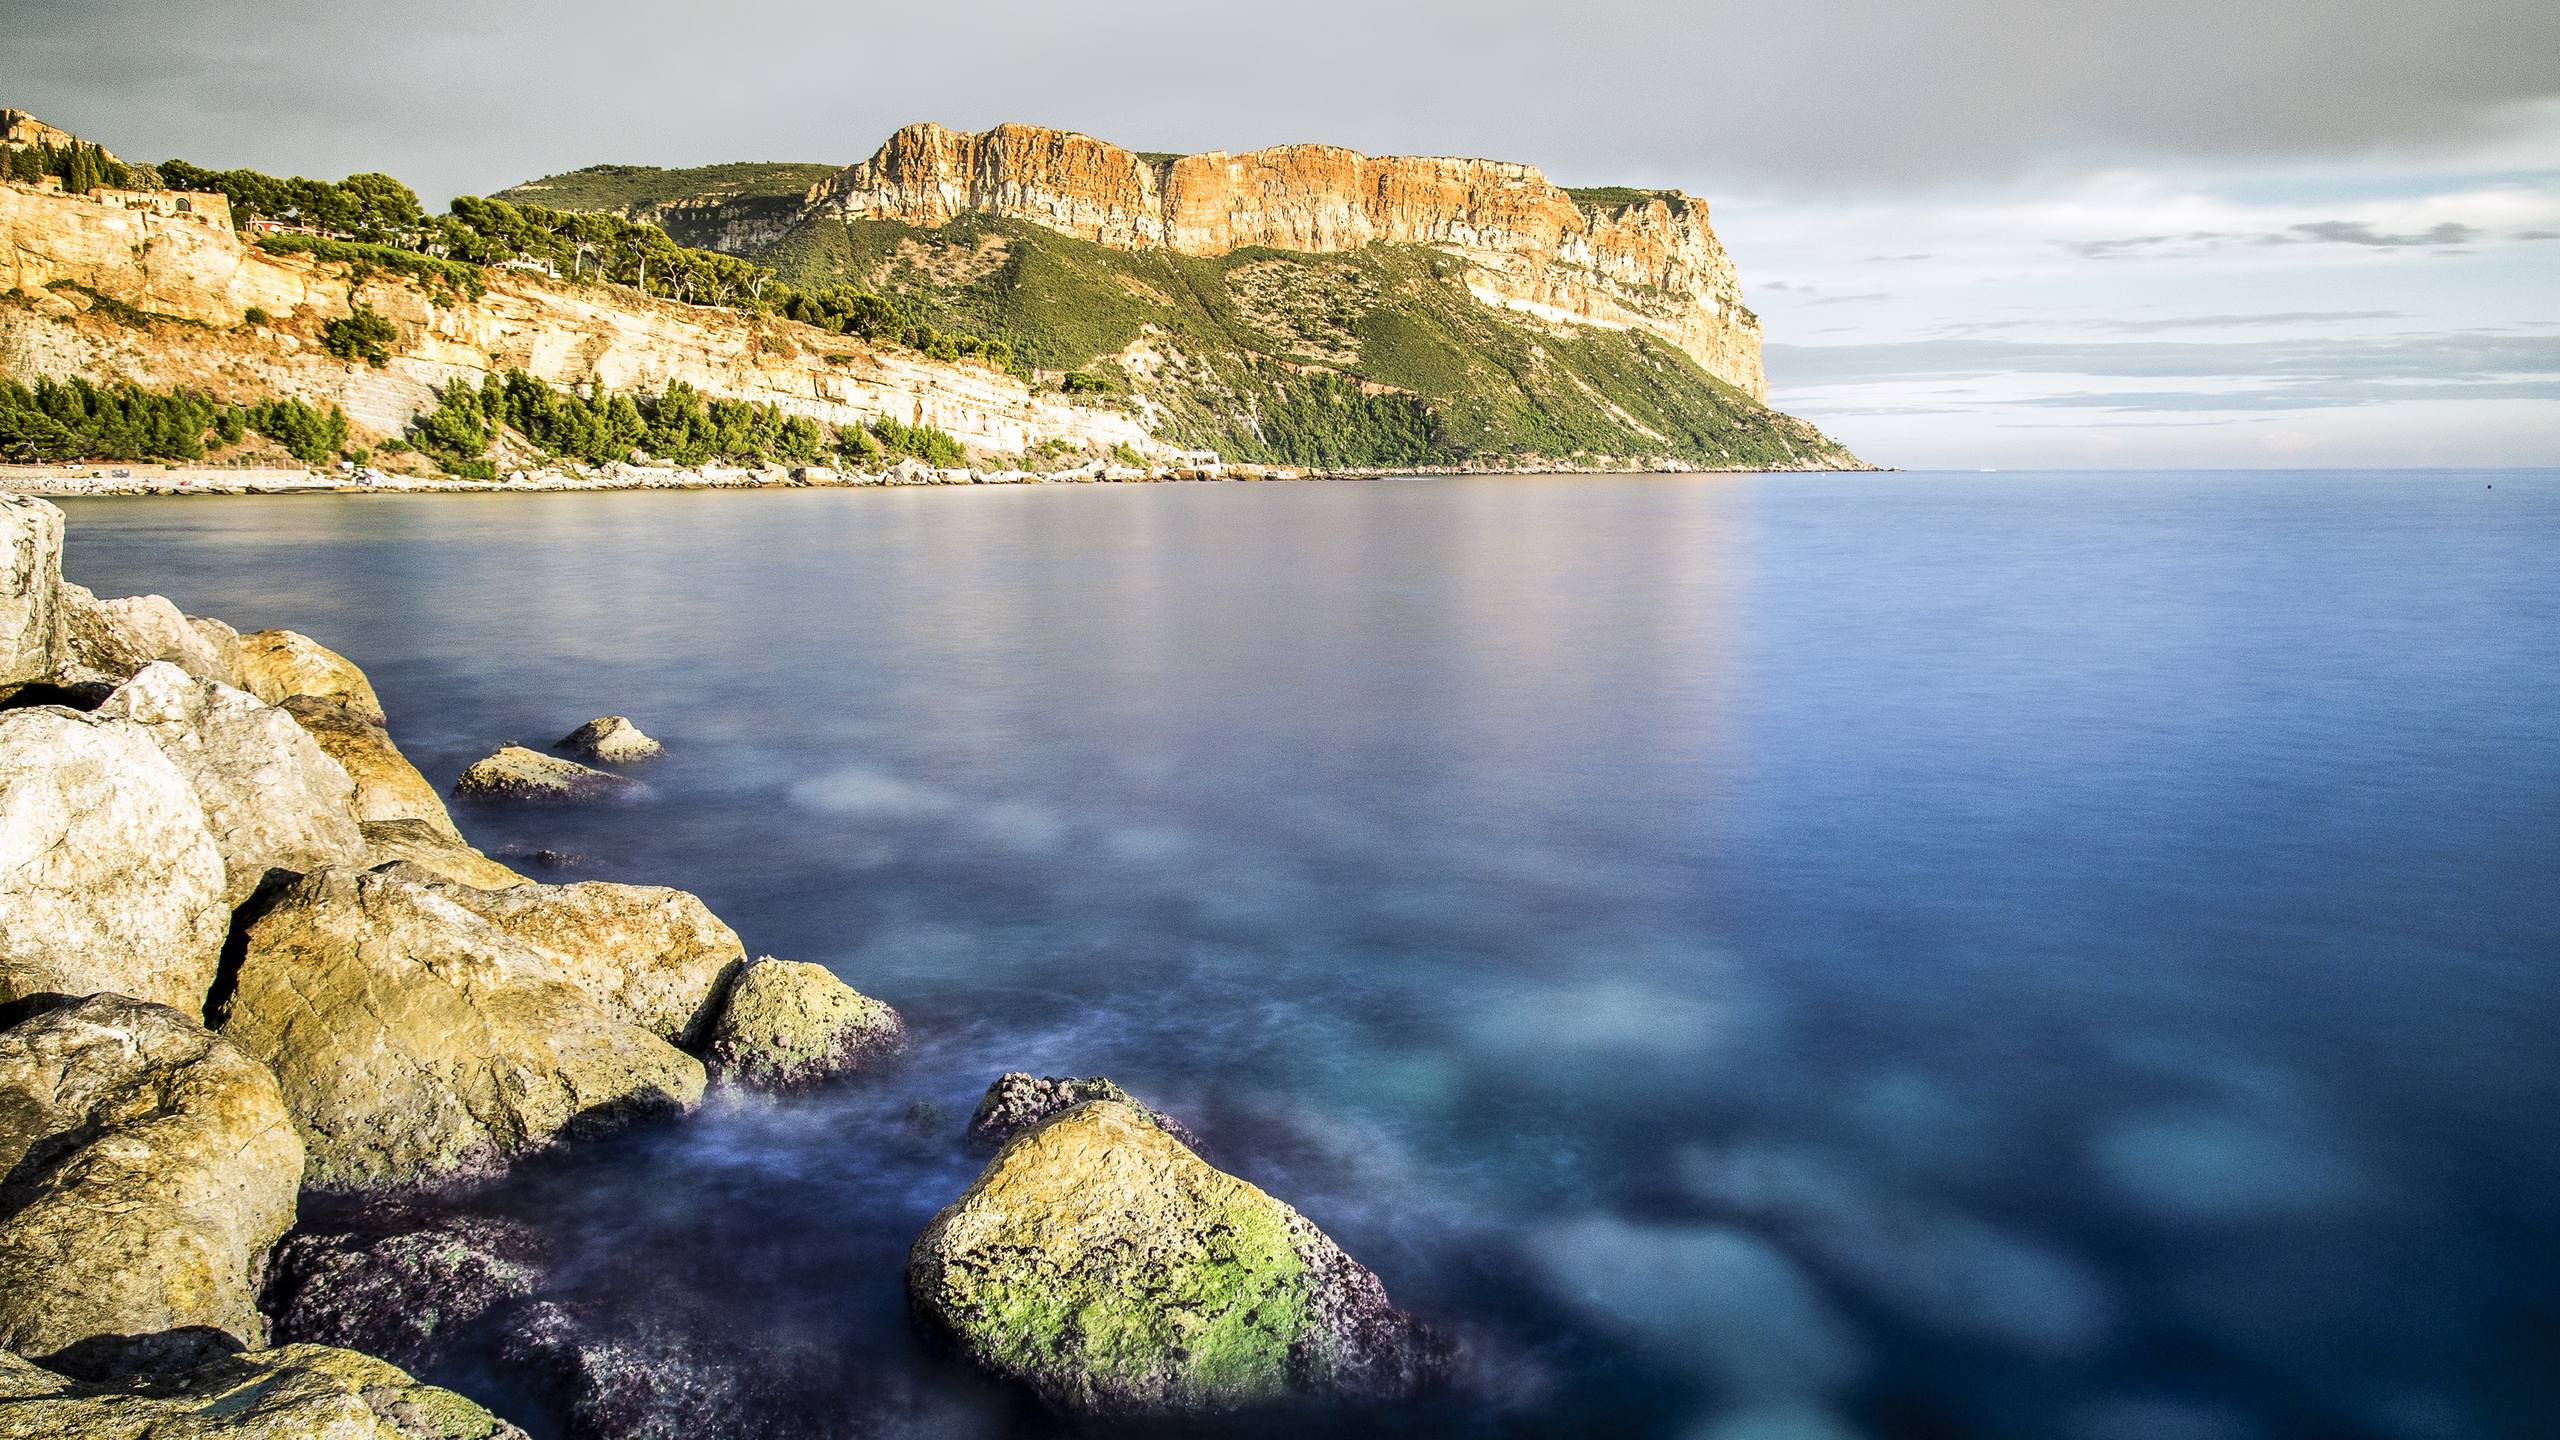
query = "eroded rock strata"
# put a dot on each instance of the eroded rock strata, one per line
(1637, 260)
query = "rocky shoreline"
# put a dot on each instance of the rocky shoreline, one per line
(264, 1008)
(76, 481)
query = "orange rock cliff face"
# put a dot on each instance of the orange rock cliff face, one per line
(1650, 264)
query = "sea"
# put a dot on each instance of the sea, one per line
(2021, 956)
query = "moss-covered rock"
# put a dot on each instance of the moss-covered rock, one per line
(1101, 1264)
(293, 1392)
(150, 1164)
(788, 1023)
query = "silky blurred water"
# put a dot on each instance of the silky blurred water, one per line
(2070, 956)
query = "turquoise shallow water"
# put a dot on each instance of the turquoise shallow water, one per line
(2023, 955)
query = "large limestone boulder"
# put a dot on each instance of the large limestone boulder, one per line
(116, 638)
(150, 1166)
(1102, 1265)
(293, 1392)
(388, 787)
(514, 773)
(417, 1043)
(1017, 1101)
(613, 740)
(788, 1023)
(224, 642)
(30, 591)
(274, 799)
(442, 854)
(276, 665)
(654, 956)
(109, 875)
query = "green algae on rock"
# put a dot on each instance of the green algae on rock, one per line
(1102, 1265)
(789, 1023)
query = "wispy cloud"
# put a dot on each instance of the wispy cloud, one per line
(2357, 232)
(2192, 376)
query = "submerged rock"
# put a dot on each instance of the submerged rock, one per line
(293, 1392)
(515, 773)
(276, 665)
(670, 1376)
(418, 1043)
(150, 1165)
(1017, 1101)
(109, 875)
(30, 591)
(1102, 1265)
(406, 1290)
(274, 799)
(789, 1023)
(613, 740)
(116, 638)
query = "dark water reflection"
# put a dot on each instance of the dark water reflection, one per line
(1767, 959)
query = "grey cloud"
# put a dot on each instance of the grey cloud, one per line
(443, 96)
(2356, 232)
(2158, 324)
(2316, 232)
(2538, 234)
(2315, 395)
(2227, 322)
(2261, 375)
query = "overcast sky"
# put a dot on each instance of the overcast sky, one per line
(1981, 232)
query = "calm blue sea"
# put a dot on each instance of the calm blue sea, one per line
(2020, 956)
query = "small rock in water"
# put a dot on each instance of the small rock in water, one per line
(613, 740)
(544, 856)
(788, 1023)
(515, 773)
(669, 1374)
(1018, 1101)
(1104, 1267)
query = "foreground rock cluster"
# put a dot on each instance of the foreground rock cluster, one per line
(249, 964)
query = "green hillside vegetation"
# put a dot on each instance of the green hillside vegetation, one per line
(1379, 357)
(678, 425)
(629, 189)
(53, 421)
